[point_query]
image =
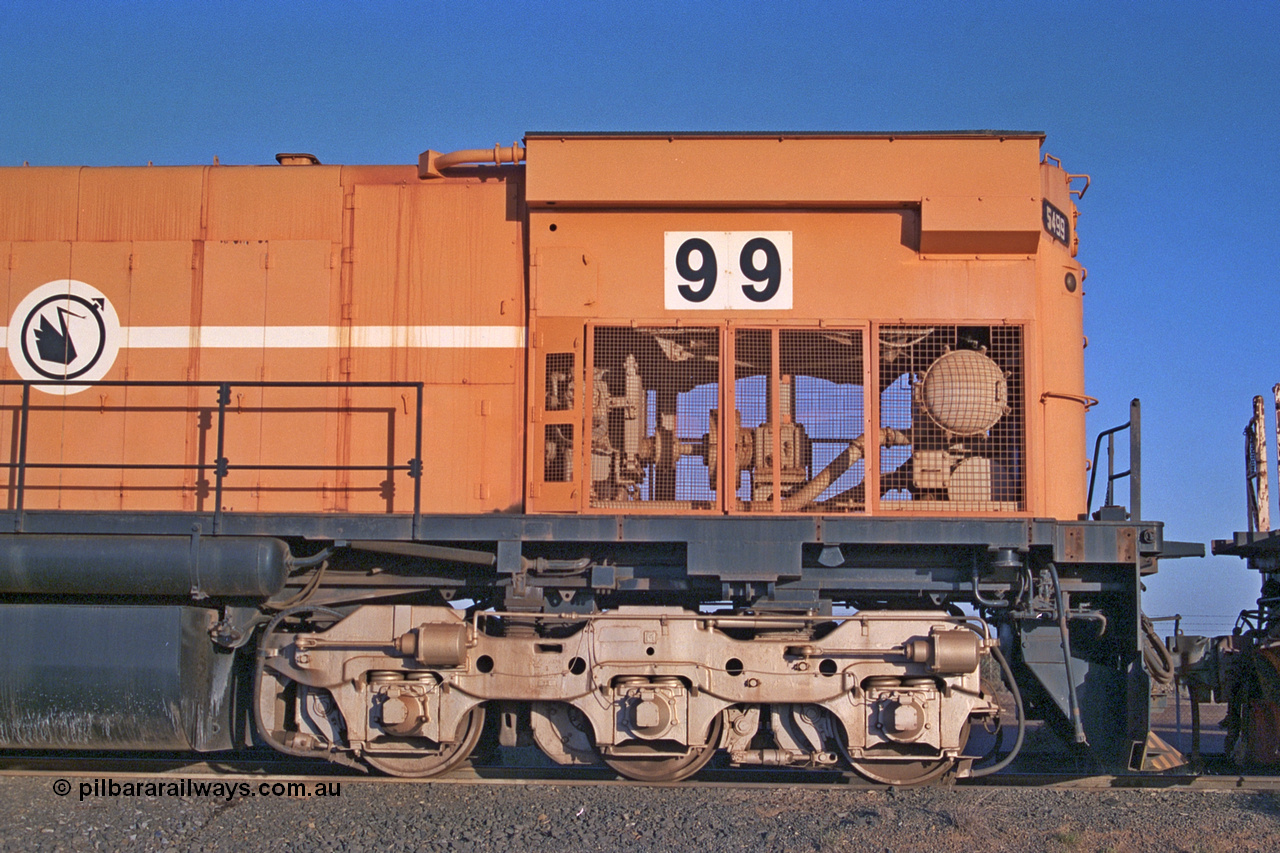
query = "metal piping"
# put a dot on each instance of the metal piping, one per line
(1019, 712)
(423, 551)
(824, 478)
(1092, 616)
(307, 562)
(994, 604)
(1073, 702)
(432, 163)
(845, 460)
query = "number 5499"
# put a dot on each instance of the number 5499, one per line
(727, 270)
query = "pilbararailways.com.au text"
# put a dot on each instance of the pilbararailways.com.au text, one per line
(197, 788)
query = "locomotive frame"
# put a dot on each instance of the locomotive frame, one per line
(652, 583)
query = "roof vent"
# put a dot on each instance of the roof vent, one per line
(297, 160)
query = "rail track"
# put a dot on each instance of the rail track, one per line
(1217, 777)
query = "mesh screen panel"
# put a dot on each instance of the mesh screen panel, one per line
(815, 459)
(558, 459)
(951, 418)
(653, 391)
(825, 369)
(753, 450)
(559, 381)
(951, 429)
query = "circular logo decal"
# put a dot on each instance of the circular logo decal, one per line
(65, 331)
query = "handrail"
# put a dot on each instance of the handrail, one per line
(221, 465)
(1134, 473)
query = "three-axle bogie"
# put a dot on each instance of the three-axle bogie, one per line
(660, 680)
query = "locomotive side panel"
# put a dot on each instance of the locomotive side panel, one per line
(268, 285)
(164, 281)
(1062, 402)
(94, 416)
(585, 170)
(259, 275)
(915, 248)
(438, 296)
(31, 265)
(36, 222)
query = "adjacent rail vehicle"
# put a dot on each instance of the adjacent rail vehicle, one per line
(642, 449)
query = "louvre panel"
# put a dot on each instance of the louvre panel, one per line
(653, 394)
(156, 204)
(39, 204)
(270, 203)
(951, 418)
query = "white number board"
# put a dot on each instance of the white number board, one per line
(727, 270)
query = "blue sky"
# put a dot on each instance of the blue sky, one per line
(1170, 107)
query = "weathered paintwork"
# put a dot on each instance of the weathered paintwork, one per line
(326, 273)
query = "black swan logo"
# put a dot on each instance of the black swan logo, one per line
(55, 344)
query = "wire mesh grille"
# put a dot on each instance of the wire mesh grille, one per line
(951, 418)
(558, 459)
(752, 450)
(559, 381)
(822, 386)
(653, 394)
(951, 432)
(814, 461)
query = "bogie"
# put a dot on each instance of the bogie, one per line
(652, 691)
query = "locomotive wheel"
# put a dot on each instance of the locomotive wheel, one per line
(442, 760)
(905, 774)
(668, 768)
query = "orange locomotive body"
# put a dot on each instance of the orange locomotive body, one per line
(301, 274)
(593, 378)
(326, 274)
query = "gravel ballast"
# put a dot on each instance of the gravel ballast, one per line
(546, 817)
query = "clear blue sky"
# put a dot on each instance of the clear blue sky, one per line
(1170, 107)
